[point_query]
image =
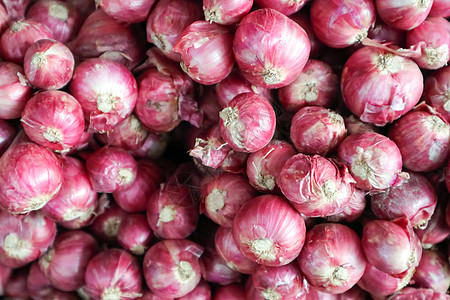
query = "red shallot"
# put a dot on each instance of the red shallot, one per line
(126, 11)
(226, 12)
(437, 91)
(404, 15)
(230, 292)
(436, 231)
(134, 234)
(201, 292)
(286, 7)
(106, 225)
(7, 134)
(433, 271)
(440, 8)
(14, 90)
(216, 270)
(352, 210)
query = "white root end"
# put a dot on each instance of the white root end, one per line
(230, 117)
(330, 191)
(111, 293)
(339, 276)
(423, 4)
(38, 59)
(309, 91)
(272, 75)
(106, 102)
(211, 15)
(47, 259)
(263, 249)
(111, 226)
(166, 215)
(53, 135)
(184, 271)
(125, 176)
(389, 63)
(138, 249)
(335, 118)
(39, 202)
(271, 294)
(216, 199)
(266, 182)
(59, 12)
(15, 247)
(17, 26)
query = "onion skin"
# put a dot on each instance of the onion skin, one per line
(5, 273)
(113, 273)
(268, 231)
(286, 7)
(270, 49)
(386, 33)
(436, 231)
(374, 161)
(230, 292)
(339, 24)
(58, 131)
(332, 259)
(65, 263)
(396, 81)
(14, 91)
(134, 234)
(172, 268)
(7, 134)
(404, 15)
(226, 12)
(302, 19)
(437, 89)
(440, 8)
(106, 225)
(419, 293)
(415, 198)
(353, 210)
(433, 271)
(216, 270)
(201, 292)
(24, 238)
(148, 295)
(17, 285)
(127, 11)
(248, 123)
(4, 19)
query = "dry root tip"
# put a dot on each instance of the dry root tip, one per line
(185, 270)
(271, 76)
(125, 176)
(53, 135)
(211, 15)
(111, 293)
(106, 102)
(59, 12)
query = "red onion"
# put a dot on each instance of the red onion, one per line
(391, 246)
(284, 282)
(234, 85)
(247, 124)
(201, 292)
(172, 268)
(440, 8)
(19, 36)
(434, 41)
(226, 12)
(65, 263)
(30, 176)
(385, 33)
(447, 176)
(134, 234)
(264, 166)
(127, 11)
(216, 270)
(167, 21)
(24, 238)
(374, 161)
(418, 293)
(355, 125)
(355, 293)
(379, 86)
(113, 274)
(224, 195)
(76, 193)
(14, 91)
(106, 225)
(38, 285)
(437, 91)
(58, 131)
(135, 197)
(153, 147)
(270, 49)
(436, 231)
(227, 249)
(317, 85)
(7, 134)
(16, 8)
(147, 295)
(316, 186)
(4, 19)
(16, 287)
(433, 271)
(5, 273)
(85, 218)
(315, 294)
(380, 283)
(106, 90)
(404, 15)
(230, 292)
(317, 130)
(208, 104)
(342, 23)
(172, 212)
(353, 210)
(303, 20)
(269, 231)
(286, 7)
(111, 169)
(61, 18)
(100, 33)
(332, 259)
(48, 64)
(200, 44)
(235, 162)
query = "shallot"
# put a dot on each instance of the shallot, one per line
(404, 15)
(14, 90)
(437, 91)
(127, 11)
(226, 12)
(134, 234)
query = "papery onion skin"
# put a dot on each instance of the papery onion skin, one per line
(386, 33)
(30, 176)
(339, 24)
(248, 123)
(111, 169)
(167, 21)
(59, 130)
(317, 130)
(148, 295)
(4, 19)
(355, 125)
(379, 87)
(24, 238)
(201, 292)
(7, 134)
(434, 41)
(136, 196)
(172, 268)
(440, 8)
(127, 11)
(62, 18)
(264, 166)
(14, 91)
(415, 198)
(316, 186)
(304, 21)
(374, 161)
(404, 15)
(418, 293)
(216, 270)
(5, 273)
(48, 64)
(286, 7)
(153, 147)
(15, 41)
(172, 212)
(113, 273)
(106, 90)
(436, 231)
(391, 246)
(224, 195)
(270, 49)
(200, 45)
(269, 231)
(317, 85)
(106, 225)
(437, 91)
(433, 271)
(226, 12)
(17, 285)
(352, 210)
(38, 285)
(65, 263)
(229, 292)
(332, 259)
(134, 234)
